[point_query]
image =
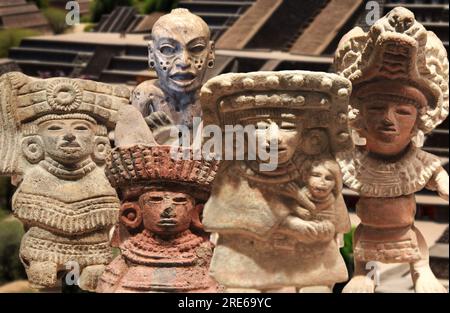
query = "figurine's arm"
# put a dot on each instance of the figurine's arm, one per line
(159, 122)
(440, 183)
(307, 231)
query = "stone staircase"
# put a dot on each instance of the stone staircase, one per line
(20, 14)
(218, 14)
(41, 56)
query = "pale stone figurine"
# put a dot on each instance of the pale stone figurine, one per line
(399, 72)
(163, 245)
(270, 234)
(53, 142)
(180, 51)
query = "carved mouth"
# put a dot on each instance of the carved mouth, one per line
(389, 130)
(183, 78)
(320, 190)
(280, 149)
(70, 146)
(165, 222)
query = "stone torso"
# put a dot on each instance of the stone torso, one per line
(249, 240)
(251, 209)
(66, 207)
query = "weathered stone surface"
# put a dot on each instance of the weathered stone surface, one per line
(180, 51)
(54, 144)
(164, 248)
(399, 72)
(279, 228)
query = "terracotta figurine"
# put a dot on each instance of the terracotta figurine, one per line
(270, 234)
(162, 242)
(399, 72)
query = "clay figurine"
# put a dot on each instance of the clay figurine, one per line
(53, 136)
(162, 242)
(180, 51)
(399, 72)
(271, 234)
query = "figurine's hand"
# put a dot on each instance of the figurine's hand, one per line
(302, 213)
(302, 230)
(158, 119)
(326, 230)
(162, 127)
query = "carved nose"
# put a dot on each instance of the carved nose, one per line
(69, 137)
(168, 213)
(184, 60)
(387, 121)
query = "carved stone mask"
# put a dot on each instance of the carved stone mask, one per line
(321, 181)
(283, 132)
(180, 51)
(388, 125)
(68, 141)
(166, 212)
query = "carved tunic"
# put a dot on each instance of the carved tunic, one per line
(249, 242)
(387, 205)
(150, 264)
(71, 214)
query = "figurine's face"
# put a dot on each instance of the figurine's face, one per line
(283, 132)
(68, 140)
(320, 182)
(166, 212)
(180, 57)
(388, 126)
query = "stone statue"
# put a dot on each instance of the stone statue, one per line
(180, 51)
(399, 72)
(279, 228)
(163, 245)
(53, 142)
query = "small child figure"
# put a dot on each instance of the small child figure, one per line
(323, 183)
(317, 199)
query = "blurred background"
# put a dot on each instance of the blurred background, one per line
(107, 41)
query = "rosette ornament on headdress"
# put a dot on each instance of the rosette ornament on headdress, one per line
(399, 49)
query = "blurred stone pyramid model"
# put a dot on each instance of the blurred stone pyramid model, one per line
(20, 14)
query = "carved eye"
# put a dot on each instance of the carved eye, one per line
(167, 50)
(329, 178)
(54, 127)
(179, 200)
(377, 108)
(403, 111)
(197, 48)
(155, 199)
(81, 127)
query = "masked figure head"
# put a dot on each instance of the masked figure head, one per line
(180, 51)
